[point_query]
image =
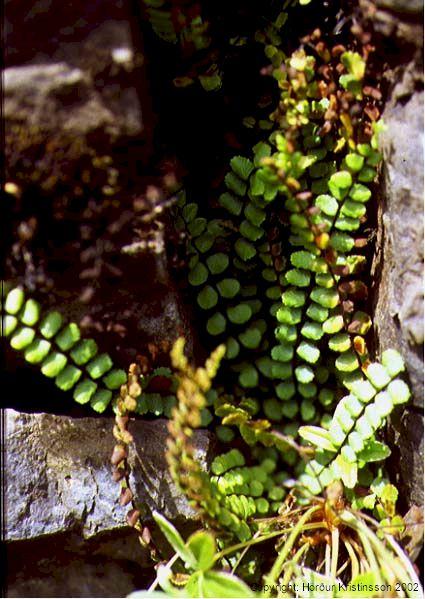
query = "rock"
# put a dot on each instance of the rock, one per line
(59, 475)
(58, 97)
(65, 531)
(408, 459)
(75, 92)
(399, 308)
(398, 266)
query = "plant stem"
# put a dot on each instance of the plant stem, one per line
(274, 574)
(335, 552)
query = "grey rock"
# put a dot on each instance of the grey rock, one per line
(81, 87)
(399, 308)
(59, 475)
(408, 463)
(402, 6)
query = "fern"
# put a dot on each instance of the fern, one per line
(58, 349)
(350, 441)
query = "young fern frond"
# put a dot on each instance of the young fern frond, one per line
(350, 441)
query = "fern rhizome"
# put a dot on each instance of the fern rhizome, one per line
(278, 267)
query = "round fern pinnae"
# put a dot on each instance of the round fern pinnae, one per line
(197, 226)
(353, 406)
(84, 351)
(245, 249)
(383, 404)
(398, 391)
(250, 231)
(30, 313)
(356, 442)
(327, 298)
(251, 338)
(69, 376)
(340, 183)
(189, 212)
(327, 204)
(307, 410)
(372, 416)
(204, 242)
(308, 352)
(14, 301)
(231, 203)
(347, 362)
(68, 337)
(37, 351)
(286, 333)
(216, 324)
(297, 277)
(225, 434)
(207, 298)
(255, 215)
(304, 374)
(240, 313)
(363, 390)
(9, 324)
(349, 454)
(353, 209)
(84, 391)
(289, 409)
(307, 390)
(241, 166)
(53, 364)
(273, 409)
(100, 400)
(354, 162)
(342, 242)
(340, 342)
(99, 366)
(312, 330)
(317, 312)
(248, 378)
(232, 348)
(333, 324)
(283, 352)
(367, 174)
(289, 316)
(377, 375)
(115, 378)
(238, 186)
(326, 397)
(392, 362)
(23, 337)
(360, 193)
(293, 298)
(51, 324)
(217, 263)
(285, 391)
(198, 275)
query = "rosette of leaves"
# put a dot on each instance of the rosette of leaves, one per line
(58, 349)
(350, 442)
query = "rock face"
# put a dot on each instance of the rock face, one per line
(61, 500)
(398, 267)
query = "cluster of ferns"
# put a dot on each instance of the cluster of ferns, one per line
(278, 267)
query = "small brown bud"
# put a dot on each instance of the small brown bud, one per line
(133, 517)
(126, 496)
(118, 455)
